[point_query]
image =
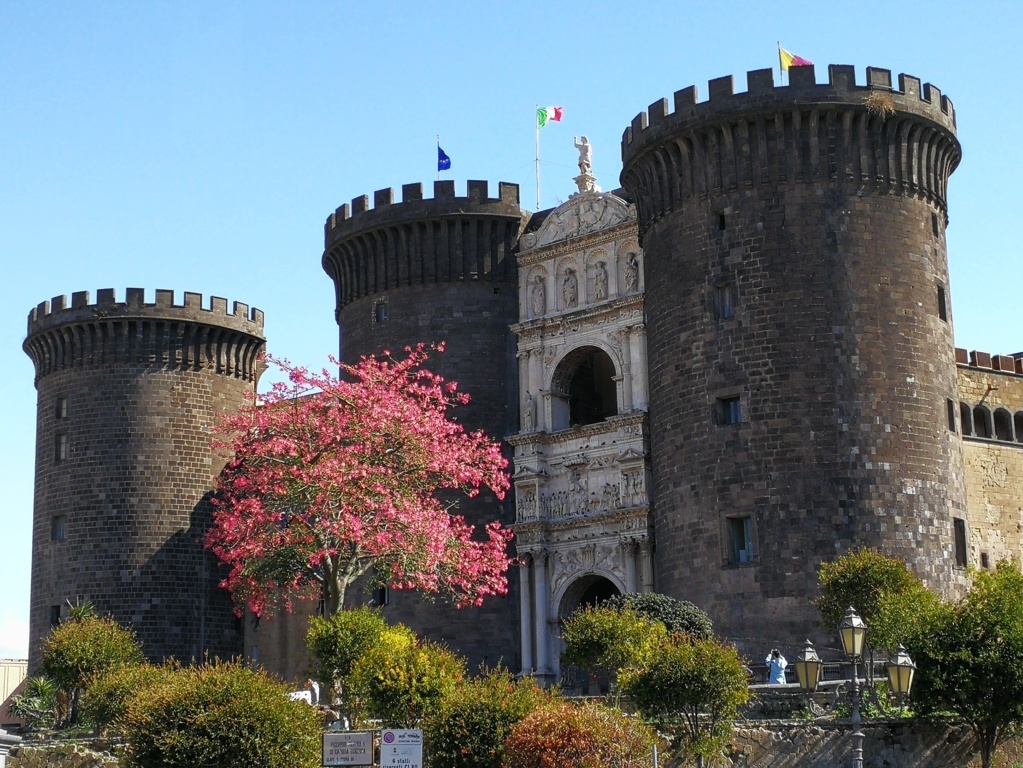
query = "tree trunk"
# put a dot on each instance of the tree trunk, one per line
(987, 749)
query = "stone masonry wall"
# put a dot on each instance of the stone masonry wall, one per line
(993, 467)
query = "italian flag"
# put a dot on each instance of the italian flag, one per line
(546, 115)
(791, 60)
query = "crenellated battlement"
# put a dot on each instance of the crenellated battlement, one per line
(414, 204)
(419, 241)
(58, 310)
(762, 93)
(869, 137)
(81, 332)
(1002, 363)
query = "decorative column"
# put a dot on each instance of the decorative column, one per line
(629, 559)
(646, 567)
(637, 356)
(526, 614)
(543, 662)
(628, 395)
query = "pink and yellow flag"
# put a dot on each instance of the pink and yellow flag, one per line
(791, 60)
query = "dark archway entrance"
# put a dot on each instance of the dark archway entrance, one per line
(587, 591)
(584, 389)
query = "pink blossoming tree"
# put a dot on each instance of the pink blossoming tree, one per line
(335, 478)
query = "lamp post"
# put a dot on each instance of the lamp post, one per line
(808, 672)
(852, 630)
(900, 675)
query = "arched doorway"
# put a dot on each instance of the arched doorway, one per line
(588, 591)
(583, 389)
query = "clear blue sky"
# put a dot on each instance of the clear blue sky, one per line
(200, 146)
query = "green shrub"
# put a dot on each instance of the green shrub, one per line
(693, 689)
(468, 729)
(107, 695)
(564, 735)
(37, 705)
(220, 715)
(679, 616)
(401, 677)
(337, 642)
(80, 649)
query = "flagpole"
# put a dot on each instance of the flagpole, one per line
(781, 65)
(438, 155)
(536, 123)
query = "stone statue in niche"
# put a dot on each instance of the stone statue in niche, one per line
(570, 288)
(539, 295)
(632, 272)
(600, 281)
(528, 413)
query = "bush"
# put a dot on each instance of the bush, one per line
(468, 729)
(107, 696)
(337, 642)
(563, 735)
(692, 689)
(37, 705)
(80, 649)
(401, 677)
(679, 616)
(609, 639)
(220, 715)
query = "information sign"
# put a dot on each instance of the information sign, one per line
(401, 749)
(348, 748)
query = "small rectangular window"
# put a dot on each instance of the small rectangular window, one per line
(54, 615)
(984, 562)
(934, 225)
(721, 221)
(60, 446)
(942, 306)
(380, 312)
(950, 409)
(381, 597)
(61, 408)
(58, 527)
(740, 540)
(729, 410)
(960, 541)
(724, 301)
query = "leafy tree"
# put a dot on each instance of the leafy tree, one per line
(332, 479)
(606, 638)
(80, 649)
(402, 677)
(860, 579)
(468, 728)
(565, 735)
(679, 616)
(37, 706)
(969, 657)
(337, 642)
(220, 715)
(693, 689)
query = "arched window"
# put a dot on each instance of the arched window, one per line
(966, 417)
(982, 426)
(1003, 425)
(1018, 420)
(583, 389)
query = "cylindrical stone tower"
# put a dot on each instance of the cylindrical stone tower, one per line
(128, 396)
(802, 374)
(431, 270)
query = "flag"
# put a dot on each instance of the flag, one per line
(791, 60)
(546, 115)
(443, 161)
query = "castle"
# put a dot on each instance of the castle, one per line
(734, 368)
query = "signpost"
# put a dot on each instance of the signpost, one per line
(348, 748)
(401, 749)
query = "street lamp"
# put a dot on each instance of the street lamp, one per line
(900, 674)
(808, 672)
(852, 630)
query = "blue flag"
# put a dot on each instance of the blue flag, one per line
(443, 161)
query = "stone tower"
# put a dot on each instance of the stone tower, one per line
(802, 377)
(128, 393)
(431, 270)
